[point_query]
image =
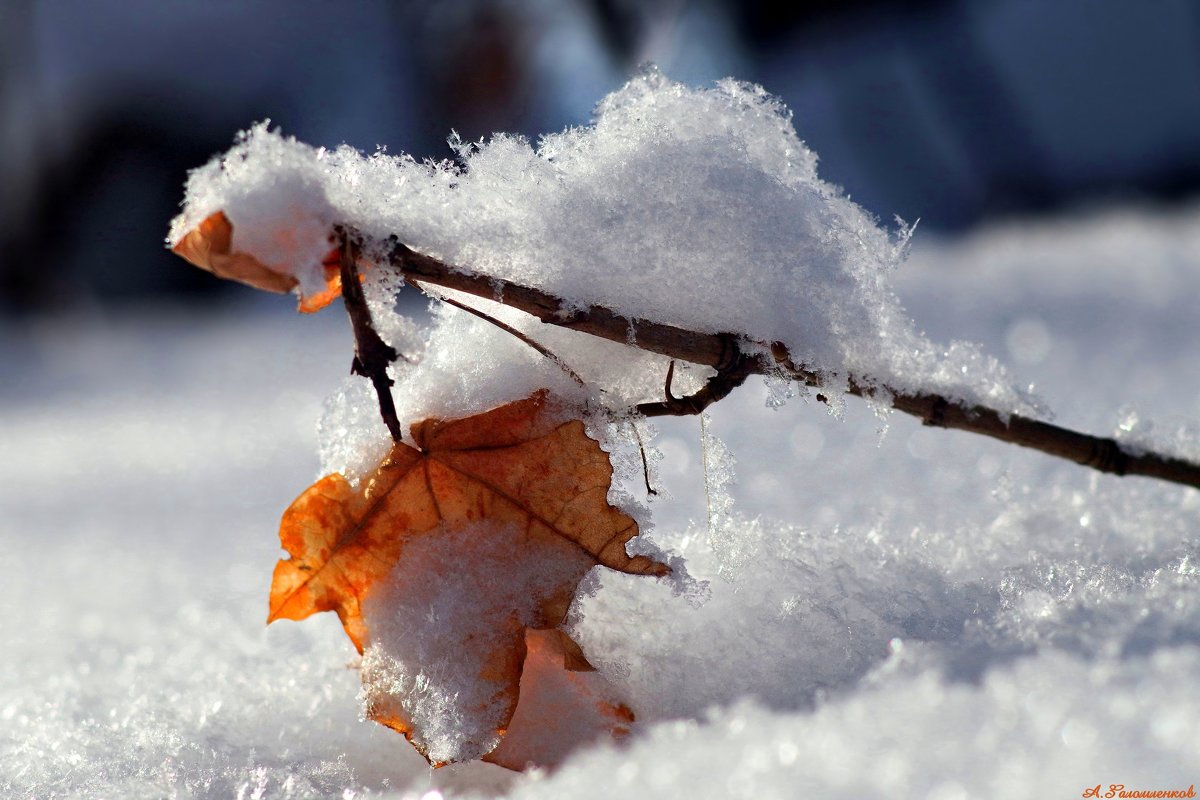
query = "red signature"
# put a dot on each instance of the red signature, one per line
(1118, 790)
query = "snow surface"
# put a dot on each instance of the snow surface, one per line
(919, 613)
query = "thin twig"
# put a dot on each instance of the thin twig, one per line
(724, 351)
(650, 490)
(510, 329)
(372, 355)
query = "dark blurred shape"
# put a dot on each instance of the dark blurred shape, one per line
(625, 27)
(92, 220)
(479, 72)
(770, 23)
(18, 155)
(952, 111)
(109, 106)
(928, 127)
(961, 110)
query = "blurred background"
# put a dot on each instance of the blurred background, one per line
(953, 112)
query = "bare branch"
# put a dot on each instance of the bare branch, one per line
(725, 353)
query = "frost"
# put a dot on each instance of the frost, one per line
(780, 390)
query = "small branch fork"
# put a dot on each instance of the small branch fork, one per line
(728, 378)
(727, 353)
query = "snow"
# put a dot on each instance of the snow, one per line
(1053, 727)
(694, 207)
(919, 614)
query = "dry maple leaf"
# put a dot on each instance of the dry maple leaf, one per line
(522, 477)
(208, 246)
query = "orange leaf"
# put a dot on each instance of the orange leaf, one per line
(520, 473)
(208, 246)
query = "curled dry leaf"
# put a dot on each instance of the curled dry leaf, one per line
(209, 247)
(522, 477)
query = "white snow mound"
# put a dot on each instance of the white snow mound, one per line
(695, 207)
